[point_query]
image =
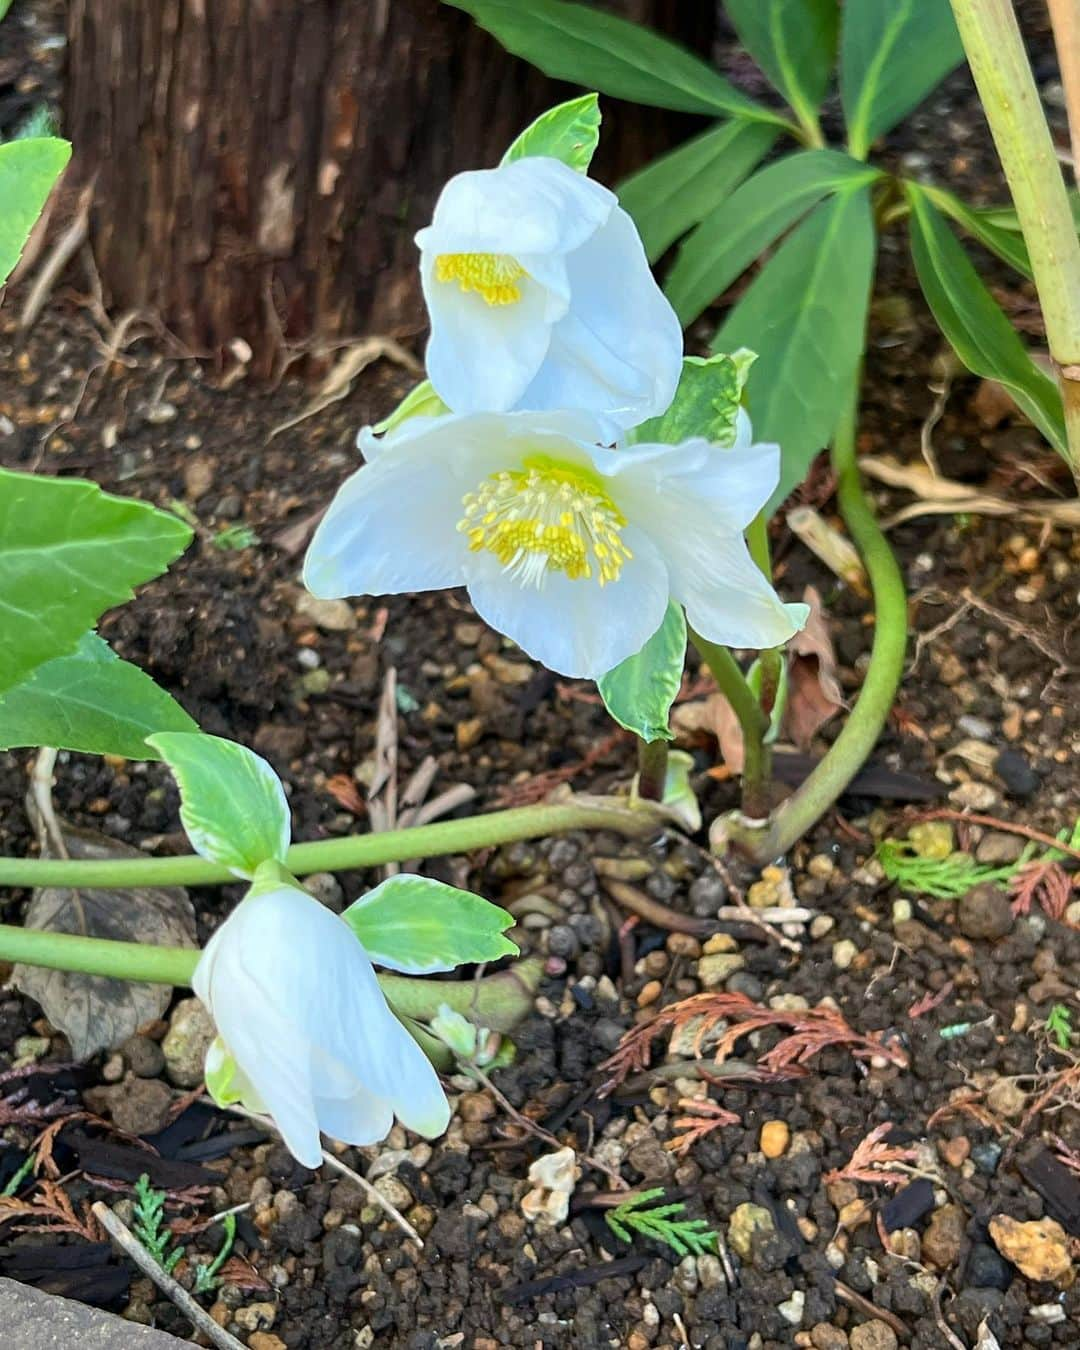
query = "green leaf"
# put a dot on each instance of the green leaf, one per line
(794, 43)
(5, 5)
(729, 239)
(422, 401)
(1007, 244)
(974, 324)
(677, 190)
(28, 170)
(806, 316)
(232, 805)
(585, 46)
(706, 402)
(569, 131)
(90, 701)
(417, 925)
(892, 53)
(639, 692)
(69, 552)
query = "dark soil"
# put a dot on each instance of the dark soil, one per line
(320, 1267)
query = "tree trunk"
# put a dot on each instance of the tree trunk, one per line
(262, 165)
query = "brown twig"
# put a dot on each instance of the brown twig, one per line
(652, 911)
(871, 1310)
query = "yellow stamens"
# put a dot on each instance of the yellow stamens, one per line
(494, 276)
(547, 515)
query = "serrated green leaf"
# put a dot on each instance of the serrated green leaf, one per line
(805, 314)
(232, 805)
(892, 53)
(569, 132)
(422, 401)
(68, 553)
(972, 321)
(674, 192)
(706, 402)
(729, 239)
(599, 51)
(28, 170)
(90, 701)
(639, 692)
(417, 925)
(794, 43)
(1007, 244)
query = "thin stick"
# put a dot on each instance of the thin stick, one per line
(868, 1309)
(59, 256)
(132, 1247)
(993, 823)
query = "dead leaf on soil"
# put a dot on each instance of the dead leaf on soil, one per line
(814, 693)
(94, 1013)
(712, 716)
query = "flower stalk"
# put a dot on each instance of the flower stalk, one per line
(753, 722)
(1010, 99)
(652, 770)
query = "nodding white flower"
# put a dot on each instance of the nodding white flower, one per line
(299, 1010)
(541, 297)
(570, 549)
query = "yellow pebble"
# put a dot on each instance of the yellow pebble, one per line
(720, 942)
(650, 993)
(775, 1137)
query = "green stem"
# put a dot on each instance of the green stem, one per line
(857, 739)
(1010, 99)
(354, 852)
(757, 541)
(652, 770)
(752, 720)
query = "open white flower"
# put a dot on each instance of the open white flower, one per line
(541, 297)
(315, 1045)
(570, 549)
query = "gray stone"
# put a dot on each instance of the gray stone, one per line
(36, 1321)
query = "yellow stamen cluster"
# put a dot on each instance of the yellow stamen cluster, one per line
(547, 516)
(493, 276)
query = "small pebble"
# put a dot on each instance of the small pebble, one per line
(775, 1137)
(843, 953)
(1016, 773)
(873, 1336)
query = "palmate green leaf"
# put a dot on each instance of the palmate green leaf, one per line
(677, 190)
(416, 925)
(232, 805)
(28, 170)
(805, 315)
(89, 701)
(729, 239)
(972, 321)
(706, 402)
(892, 53)
(569, 132)
(69, 552)
(794, 43)
(585, 46)
(1007, 244)
(639, 692)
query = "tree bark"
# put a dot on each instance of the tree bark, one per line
(262, 165)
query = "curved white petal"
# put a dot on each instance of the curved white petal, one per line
(534, 205)
(577, 628)
(735, 483)
(619, 348)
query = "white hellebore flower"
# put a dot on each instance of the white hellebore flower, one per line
(315, 1045)
(541, 297)
(570, 549)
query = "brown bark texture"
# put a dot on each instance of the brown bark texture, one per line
(261, 166)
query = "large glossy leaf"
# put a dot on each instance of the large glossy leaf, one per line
(706, 402)
(680, 188)
(892, 53)
(972, 321)
(794, 43)
(639, 692)
(585, 46)
(729, 239)
(89, 701)
(569, 132)
(805, 316)
(1006, 243)
(69, 552)
(28, 170)
(232, 805)
(418, 926)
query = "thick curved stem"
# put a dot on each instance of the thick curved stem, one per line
(849, 751)
(354, 852)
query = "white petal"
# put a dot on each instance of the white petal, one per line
(534, 205)
(577, 628)
(347, 1109)
(619, 349)
(735, 483)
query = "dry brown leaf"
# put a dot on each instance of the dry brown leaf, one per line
(712, 716)
(814, 693)
(94, 1013)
